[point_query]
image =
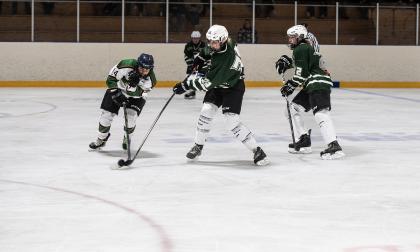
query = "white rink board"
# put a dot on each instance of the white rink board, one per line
(57, 196)
(92, 61)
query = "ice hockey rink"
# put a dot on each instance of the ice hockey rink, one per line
(57, 196)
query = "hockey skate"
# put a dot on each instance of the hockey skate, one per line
(98, 144)
(333, 151)
(190, 95)
(260, 158)
(195, 151)
(303, 146)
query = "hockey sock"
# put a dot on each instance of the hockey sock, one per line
(131, 120)
(240, 131)
(208, 111)
(326, 126)
(297, 120)
(105, 122)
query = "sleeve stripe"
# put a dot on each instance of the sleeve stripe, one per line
(298, 77)
(322, 81)
(296, 82)
(200, 81)
(320, 76)
(194, 85)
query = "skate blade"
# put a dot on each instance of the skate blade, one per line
(95, 150)
(263, 162)
(304, 150)
(193, 159)
(337, 155)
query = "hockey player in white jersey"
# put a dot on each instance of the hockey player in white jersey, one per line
(128, 83)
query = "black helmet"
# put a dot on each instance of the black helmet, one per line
(145, 61)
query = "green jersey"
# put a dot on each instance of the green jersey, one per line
(225, 70)
(118, 76)
(191, 51)
(307, 70)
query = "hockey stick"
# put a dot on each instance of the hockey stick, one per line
(126, 131)
(289, 115)
(129, 161)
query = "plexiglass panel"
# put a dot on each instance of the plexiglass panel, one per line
(145, 22)
(55, 21)
(100, 21)
(357, 25)
(188, 16)
(320, 19)
(236, 17)
(397, 25)
(15, 20)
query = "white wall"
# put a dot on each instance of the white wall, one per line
(92, 61)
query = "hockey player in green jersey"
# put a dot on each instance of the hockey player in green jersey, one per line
(191, 50)
(224, 86)
(314, 96)
(128, 83)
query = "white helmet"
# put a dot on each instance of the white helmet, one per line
(195, 34)
(298, 31)
(217, 33)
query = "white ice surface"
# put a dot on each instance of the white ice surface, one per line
(57, 196)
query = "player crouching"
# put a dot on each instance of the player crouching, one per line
(128, 85)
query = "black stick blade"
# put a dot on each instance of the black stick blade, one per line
(121, 163)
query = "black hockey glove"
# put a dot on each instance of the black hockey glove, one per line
(198, 63)
(284, 63)
(189, 69)
(133, 78)
(118, 97)
(288, 88)
(181, 87)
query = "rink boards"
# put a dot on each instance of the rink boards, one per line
(256, 84)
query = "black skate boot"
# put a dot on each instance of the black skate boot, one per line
(99, 143)
(303, 146)
(333, 151)
(195, 151)
(260, 158)
(190, 95)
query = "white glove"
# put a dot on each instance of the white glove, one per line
(145, 84)
(144, 95)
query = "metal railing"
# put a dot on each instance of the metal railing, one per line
(323, 25)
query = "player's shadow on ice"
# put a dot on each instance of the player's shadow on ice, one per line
(236, 164)
(123, 154)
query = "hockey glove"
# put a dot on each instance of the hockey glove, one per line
(118, 97)
(189, 69)
(181, 87)
(133, 78)
(284, 63)
(288, 88)
(198, 63)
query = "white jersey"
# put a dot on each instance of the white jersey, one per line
(121, 74)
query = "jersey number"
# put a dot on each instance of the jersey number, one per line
(299, 71)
